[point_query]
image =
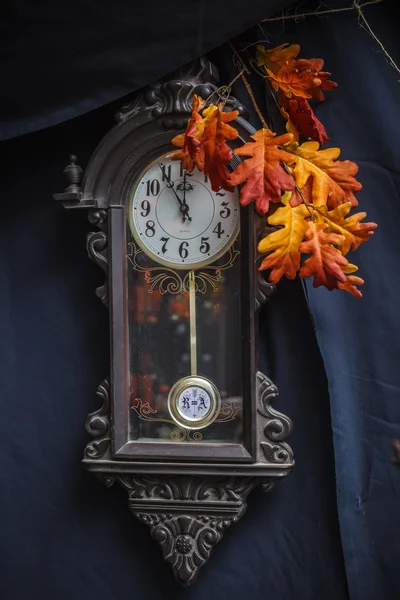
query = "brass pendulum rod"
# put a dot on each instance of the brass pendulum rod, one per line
(193, 334)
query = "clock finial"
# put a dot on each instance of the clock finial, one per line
(73, 174)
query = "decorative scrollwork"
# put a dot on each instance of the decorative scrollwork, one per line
(97, 247)
(264, 290)
(277, 426)
(98, 424)
(188, 488)
(171, 98)
(228, 412)
(166, 280)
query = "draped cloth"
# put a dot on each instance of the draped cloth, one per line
(331, 529)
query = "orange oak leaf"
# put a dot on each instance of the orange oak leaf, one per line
(350, 285)
(353, 231)
(292, 82)
(332, 180)
(262, 174)
(326, 263)
(298, 112)
(284, 243)
(217, 153)
(301, 78)
(191, 154)
(276, 57)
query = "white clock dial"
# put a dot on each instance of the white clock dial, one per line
(178, 220)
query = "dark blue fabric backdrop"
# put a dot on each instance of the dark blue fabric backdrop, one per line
(331, 529)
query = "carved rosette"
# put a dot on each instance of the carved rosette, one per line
(187, 515)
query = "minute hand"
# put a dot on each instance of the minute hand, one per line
(170, 184)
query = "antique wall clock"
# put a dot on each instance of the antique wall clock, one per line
(186, 425)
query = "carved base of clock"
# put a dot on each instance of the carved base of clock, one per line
(187, 516)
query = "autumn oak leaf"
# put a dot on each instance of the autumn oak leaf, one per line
(332, 181)
(262, 174)
(299, 114)
(351, 228)
(301, 78)
(283, 244)
(275, 58)
(217, 153)
(191, 154)
(326, 263)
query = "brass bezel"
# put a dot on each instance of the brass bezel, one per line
(184, 384)
(171, 264)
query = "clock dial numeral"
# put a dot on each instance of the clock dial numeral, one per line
(145, 206)
(218, 230)
(205, 246)
(166, 173)
(221, 193)
(165, 240)
(225, 212)
(150, 228)
(153, 187)
(183, 250)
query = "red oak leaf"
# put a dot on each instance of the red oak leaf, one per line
(299, 113)
(217, 153)
(192, 152)
(262, 174)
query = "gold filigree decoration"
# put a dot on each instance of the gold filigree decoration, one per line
(166, 280)
(178, 434)
(227, 412)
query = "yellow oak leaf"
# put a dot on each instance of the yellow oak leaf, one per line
(353, 231)
(275, 58)
(284, 243)
(332, 181)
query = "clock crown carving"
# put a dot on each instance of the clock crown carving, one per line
(186, 424)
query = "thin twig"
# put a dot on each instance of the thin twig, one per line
(298, 190)
(372, 34)
(223, 91)
(248, 86)
(354, 6)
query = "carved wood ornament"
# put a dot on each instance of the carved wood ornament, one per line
(187, 474)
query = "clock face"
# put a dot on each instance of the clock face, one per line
(177, 219)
